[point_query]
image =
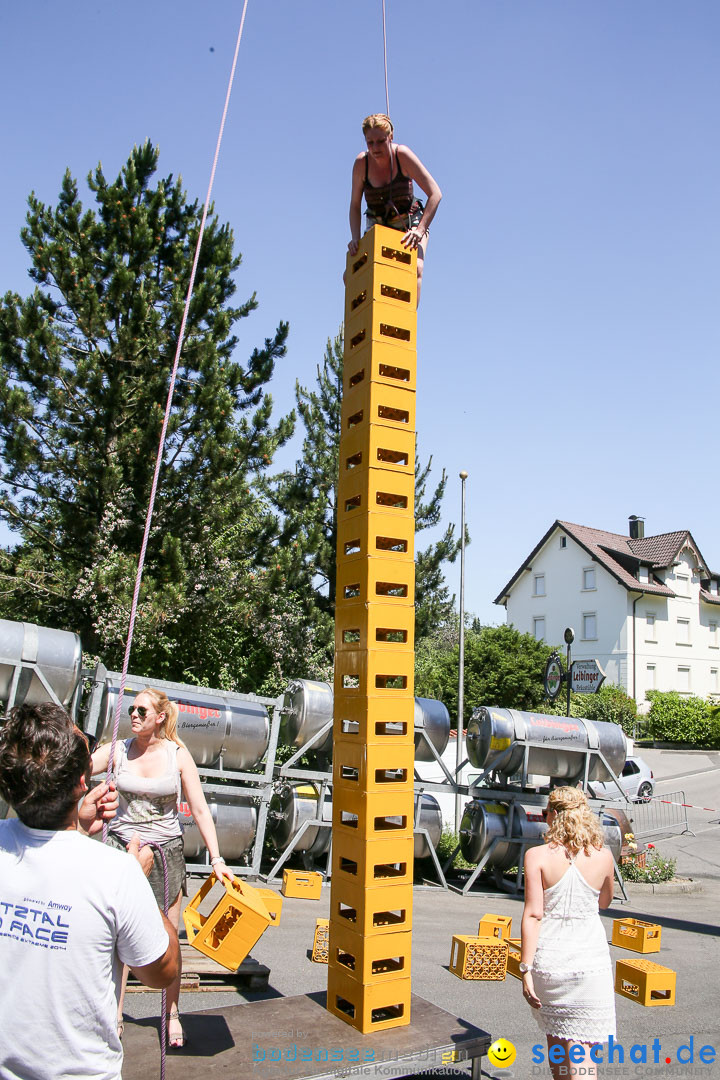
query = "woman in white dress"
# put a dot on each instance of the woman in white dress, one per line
(565, 960)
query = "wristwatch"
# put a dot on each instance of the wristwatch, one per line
(524, 968)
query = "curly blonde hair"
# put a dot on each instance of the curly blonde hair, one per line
(377, 120)
(574, 826)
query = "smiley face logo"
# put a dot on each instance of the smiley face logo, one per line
(502, 1053)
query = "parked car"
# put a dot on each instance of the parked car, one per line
(636, 780)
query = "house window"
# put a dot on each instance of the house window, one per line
(539, 629)
(589, 626)
(563, 541)
(539, 585)
(650, 677)
(650, 627)
(683, 680)
(682, 584)
(644, 574)
(714, 684)
(683, 632)
(712, 627)
(714, 587)
(589, 578)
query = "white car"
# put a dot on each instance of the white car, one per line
(636, 780)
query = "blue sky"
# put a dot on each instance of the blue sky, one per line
(568, 335)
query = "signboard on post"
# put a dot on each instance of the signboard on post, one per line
(586, 676)
(554, 676)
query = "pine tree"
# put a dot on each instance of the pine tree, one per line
(86, 360)
(308, 501)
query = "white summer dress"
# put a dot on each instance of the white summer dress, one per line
(572, 971)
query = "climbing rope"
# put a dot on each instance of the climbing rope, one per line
(387, 93)
(168, 408)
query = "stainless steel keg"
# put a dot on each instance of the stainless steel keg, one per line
(57, 653)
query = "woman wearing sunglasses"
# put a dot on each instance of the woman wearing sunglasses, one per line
(384, 174)
(151, 769)
(565, 962)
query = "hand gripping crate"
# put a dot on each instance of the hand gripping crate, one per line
(305, 884)
(642, 937)
(321, 941)
(645, 982)
(235, 924)
(474, 957)
(499, 926)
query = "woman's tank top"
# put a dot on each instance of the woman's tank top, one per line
(389, 199)
(147, 805)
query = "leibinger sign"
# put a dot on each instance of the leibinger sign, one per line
(630, 1061)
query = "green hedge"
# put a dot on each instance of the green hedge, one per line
(673, 718)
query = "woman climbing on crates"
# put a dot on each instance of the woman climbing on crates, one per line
(565, 962)
(151, 769)
(384, 174)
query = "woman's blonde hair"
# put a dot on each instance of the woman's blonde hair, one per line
(377, 120)
(162, 703)
(574, 825)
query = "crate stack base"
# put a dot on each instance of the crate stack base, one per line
(369, 945)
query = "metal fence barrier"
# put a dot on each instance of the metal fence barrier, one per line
(660, 815)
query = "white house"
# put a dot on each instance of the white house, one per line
(646, 608)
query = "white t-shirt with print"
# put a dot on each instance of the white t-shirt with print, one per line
(71, 913)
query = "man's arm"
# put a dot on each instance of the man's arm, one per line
(161, 972)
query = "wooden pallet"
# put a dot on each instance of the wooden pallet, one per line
(202, 975)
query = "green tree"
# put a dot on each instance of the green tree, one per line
(307, 500)
(502, 667)
(86, 359)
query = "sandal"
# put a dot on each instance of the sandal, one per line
(176, 1041)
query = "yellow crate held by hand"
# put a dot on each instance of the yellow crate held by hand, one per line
(235, 924)
(634, 934)
(499, 926)
(474, 957)
(306, 884)
(645, 982)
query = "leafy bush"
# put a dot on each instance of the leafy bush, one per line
(673, 718)
(446, 845)
(657, 868)
(610, 704)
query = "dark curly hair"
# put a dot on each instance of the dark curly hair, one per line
(43, 757)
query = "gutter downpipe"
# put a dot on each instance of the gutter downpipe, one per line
(634, 667)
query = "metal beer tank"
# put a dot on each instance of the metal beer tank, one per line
(308, 706)
(293, 804)
(491, 732)
(210, 724)
(482, 821)
(57, 653)
(432, 717)
(235, 818)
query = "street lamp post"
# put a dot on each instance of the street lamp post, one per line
(461, 653)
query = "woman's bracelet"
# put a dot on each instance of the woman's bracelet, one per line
(218, 858)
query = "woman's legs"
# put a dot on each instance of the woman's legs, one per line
(176, 1035)
(568, 1069)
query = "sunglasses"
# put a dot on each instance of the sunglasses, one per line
(141, 710)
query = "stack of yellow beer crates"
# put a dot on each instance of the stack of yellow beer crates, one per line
(373, 733)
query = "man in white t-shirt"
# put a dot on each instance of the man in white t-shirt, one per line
(71, 911)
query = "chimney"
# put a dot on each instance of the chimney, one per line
(637, 527)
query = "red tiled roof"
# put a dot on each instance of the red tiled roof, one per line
(657, 552)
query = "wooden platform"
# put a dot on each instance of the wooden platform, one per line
(201, 974)
(296, 1038)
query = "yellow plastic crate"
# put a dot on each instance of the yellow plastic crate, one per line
(377, 490)
(639, 936)
(374, 446)
(381, 322)
(381, 770)
(498, 926)
(513, 960)
(375, 815)
(382, 246)
(235, 924)
(376, 672)
(302, 884)
(373, 863)
(378, 535)
(474, 957)
(386, 284)
(645, 982)
(321, 941)
(382, 362)
(382, 628)
(368, 1007)
(363, 718)
(372, 912)
(273, 901)
(378, 403)
(370, 960)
